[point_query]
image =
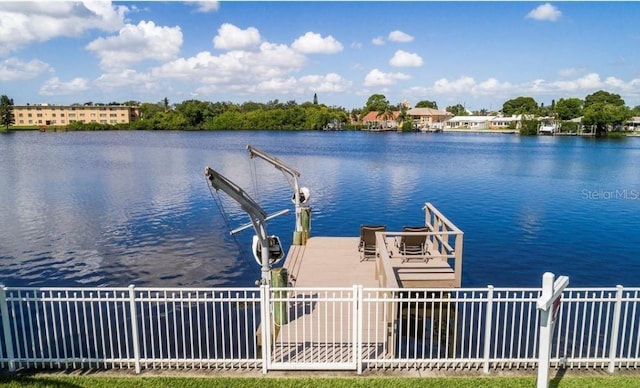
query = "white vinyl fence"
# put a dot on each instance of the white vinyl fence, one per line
(350, 328)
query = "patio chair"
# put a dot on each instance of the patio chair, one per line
(367, 245)
(413, 245)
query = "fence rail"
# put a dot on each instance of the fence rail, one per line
(313, 328)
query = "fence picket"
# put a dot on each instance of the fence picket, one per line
(333, 328)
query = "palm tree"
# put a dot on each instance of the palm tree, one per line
(403, 115)
(386, 115)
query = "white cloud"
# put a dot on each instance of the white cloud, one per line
(236, 70)
(492, 86)
(461, 85)
(356, 45)
(38, 21)
(399, 36)
(127, 78)
(206, 6)
(276, 85)
(231, 37)
(378, 78)
(55, 87)
(136, 43)
(588, 82)
(545, 12)
(14, 69)
(312, 43)
(404, 59)
(378, 41)
(468, 87)
(328, 83)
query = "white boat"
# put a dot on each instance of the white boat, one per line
(548, 128)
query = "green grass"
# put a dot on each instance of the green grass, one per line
(336, 382)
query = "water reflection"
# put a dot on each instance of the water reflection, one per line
(114, 208)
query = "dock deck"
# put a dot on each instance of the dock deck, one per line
(329, 262)
(322, 310)
(335, 262)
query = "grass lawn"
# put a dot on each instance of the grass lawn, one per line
(10, 381)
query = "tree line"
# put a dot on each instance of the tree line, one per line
(601, 110)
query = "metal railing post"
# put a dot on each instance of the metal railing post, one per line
(615, 325)
(134, 327)
(358, 332)
(6, 328)
(487, 329)
(265, 327)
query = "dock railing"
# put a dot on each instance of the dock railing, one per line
(444, 245)
(443, 234)
(481, 329)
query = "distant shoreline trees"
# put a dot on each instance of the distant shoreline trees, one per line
(7, 118)
(601, 111)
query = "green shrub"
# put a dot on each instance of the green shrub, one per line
(529, 127)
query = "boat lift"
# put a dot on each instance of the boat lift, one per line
(301, 195)
(267, 250)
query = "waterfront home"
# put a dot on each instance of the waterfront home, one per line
(375, 120)
(428, 118)
(511, 122)
(633, 124)
(469, 122)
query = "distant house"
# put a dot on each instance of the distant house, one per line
(512, 122)
(376, 121)
(633, 124)
(429, 118)
(469, 122)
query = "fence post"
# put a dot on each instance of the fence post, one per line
(265, 325)
(358, 332)
(134, 327)
(487, 329)
(549, 305)
(615, 325)
(6, 326)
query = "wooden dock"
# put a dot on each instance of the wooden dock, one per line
(335, 262)
(329, 262)
(315, 319)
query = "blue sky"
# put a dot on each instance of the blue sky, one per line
(479, 54)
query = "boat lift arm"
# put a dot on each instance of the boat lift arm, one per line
(292, 178)
(256, 214)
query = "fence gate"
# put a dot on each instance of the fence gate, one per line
(312, 329)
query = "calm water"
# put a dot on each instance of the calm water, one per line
(119, 208)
